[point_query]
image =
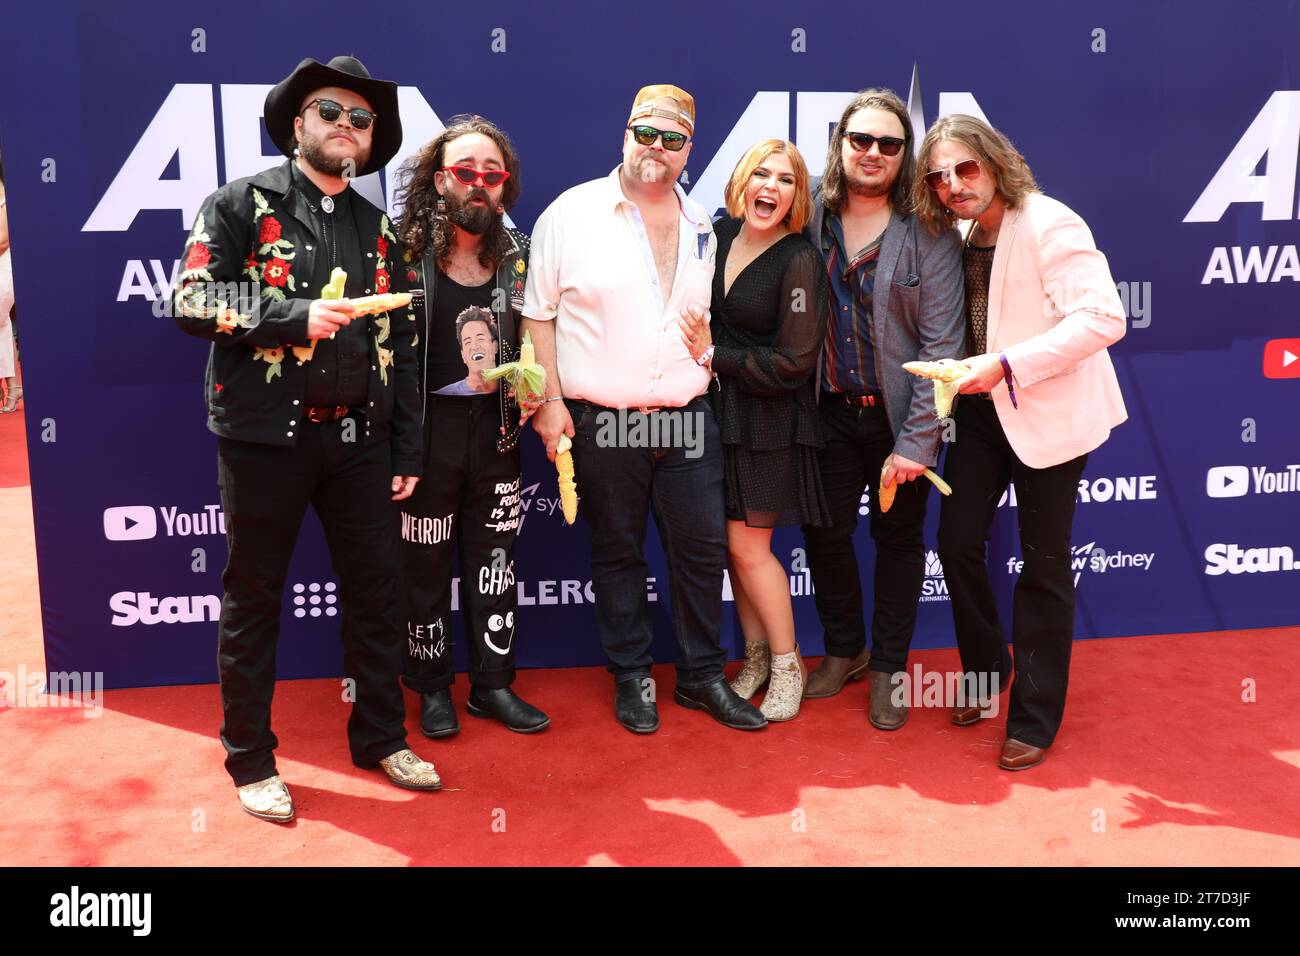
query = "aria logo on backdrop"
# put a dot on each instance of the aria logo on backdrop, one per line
(1271, 140)
(185, 130)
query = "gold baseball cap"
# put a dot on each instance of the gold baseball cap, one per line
(647, 103)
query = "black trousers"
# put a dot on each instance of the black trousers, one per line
(858, 440)
(467, 505)
(979, 465)
(619, 486)
(265, 490)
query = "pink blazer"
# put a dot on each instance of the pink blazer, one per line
(1053, 309)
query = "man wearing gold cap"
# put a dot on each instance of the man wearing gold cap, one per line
(614, 263)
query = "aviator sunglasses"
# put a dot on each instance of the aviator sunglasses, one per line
(330, 111)
(646, 136)
(967, 169)
(468, 175)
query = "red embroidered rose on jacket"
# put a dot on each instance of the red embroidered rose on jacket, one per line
(276, 272)
(199, 256)
(270, 230)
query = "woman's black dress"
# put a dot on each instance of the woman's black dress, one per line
(767, 334)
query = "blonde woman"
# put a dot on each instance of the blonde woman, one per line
(767, 323)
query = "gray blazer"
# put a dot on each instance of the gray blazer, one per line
(922, 317)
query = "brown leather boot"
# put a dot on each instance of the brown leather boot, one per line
(833, 672)
(884, 713)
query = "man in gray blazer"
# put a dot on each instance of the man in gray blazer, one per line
(896, 296)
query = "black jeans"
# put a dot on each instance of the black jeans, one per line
(617, 487)
(979, 465)
(467, 505)
(265, 490)
(858, 440)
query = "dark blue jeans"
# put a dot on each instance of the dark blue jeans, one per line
(618, 487)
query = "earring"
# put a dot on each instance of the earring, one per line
(501, 210)
(440, 207)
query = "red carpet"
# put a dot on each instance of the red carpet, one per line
(1160, 761)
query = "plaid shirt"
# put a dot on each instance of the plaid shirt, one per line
(848, 362)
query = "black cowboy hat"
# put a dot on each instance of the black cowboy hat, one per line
(284, 102)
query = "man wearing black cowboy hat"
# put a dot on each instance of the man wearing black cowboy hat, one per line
(312, 404)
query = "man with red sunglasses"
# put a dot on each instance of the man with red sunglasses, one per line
(471, 266)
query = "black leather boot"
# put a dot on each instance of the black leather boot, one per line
(438, 715)
(505, 705)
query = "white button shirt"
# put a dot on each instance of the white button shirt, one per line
(591, 269)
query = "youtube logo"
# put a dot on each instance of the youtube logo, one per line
(1227, 481)
(1282, 358)
(130, 523)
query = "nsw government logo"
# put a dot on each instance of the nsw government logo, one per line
(934, 587)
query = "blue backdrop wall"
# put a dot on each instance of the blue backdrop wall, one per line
(1172, 127)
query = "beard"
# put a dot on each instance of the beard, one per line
(313, 152)
(648, 169)
(870, 190)
(476, 220)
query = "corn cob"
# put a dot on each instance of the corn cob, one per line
(525, 376)
(331, 290)
(528, 381)
(568, 487)
(885, 495)
(383, 302)
(945, 374)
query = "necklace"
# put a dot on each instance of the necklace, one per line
(327, 227)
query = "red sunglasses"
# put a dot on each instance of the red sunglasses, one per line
(468, 175)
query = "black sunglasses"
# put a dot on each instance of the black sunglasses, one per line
(646, 135)
(889, 145)
(330, 111)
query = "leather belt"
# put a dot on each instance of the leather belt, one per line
(325, 413)
(865, 400)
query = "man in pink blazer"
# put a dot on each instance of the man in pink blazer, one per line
(1041, 308)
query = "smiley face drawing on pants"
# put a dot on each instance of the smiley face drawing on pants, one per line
(496, 624)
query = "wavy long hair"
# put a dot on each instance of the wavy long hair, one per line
(834, 190)
(1011, 174)
(421, 225)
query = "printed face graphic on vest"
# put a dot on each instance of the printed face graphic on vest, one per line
(479, 344)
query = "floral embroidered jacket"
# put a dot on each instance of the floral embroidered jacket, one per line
(251, 270)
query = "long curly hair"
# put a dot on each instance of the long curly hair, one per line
(421, 225)
(1010, 172)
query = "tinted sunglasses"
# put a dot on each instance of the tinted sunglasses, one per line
(967, 169)
(889, 145)
(646, 136)
(330, 111)
(468, 175)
